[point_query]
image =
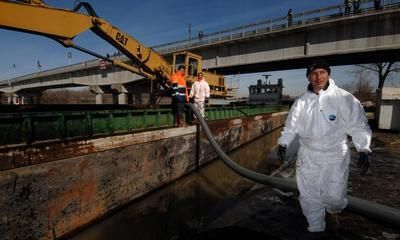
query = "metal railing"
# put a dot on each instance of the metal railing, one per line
(277, 24)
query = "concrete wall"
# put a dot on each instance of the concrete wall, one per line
(66, 185)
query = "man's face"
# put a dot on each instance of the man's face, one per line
(318, 79)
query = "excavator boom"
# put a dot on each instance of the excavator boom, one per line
(63, 25)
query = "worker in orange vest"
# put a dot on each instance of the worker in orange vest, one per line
(179, 95)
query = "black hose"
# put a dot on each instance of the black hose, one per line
(88, 8)
(357, 205)
(284, 184)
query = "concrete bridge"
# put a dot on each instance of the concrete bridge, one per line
(369, 36)
(372, 35)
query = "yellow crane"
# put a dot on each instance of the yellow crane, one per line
(62, 25)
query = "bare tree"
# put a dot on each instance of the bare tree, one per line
(348, 87)
(382, 70)
(361, 86)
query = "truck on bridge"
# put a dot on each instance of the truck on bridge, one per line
(63, 25)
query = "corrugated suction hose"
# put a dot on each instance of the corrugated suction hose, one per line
(356, 205)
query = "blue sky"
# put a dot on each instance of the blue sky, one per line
(154, 22)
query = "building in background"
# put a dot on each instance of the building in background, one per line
(265, 92)
(388, 108)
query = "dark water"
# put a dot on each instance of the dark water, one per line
(197, 199)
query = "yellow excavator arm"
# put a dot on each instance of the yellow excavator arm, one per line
(62, 25)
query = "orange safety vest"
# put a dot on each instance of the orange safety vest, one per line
(179, 87)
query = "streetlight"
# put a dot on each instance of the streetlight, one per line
(69, 57)
(39, 66)
(190, 33)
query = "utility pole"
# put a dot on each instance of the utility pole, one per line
(14, 71)
(190, 33)
(200, 34)
(69, 57)
(39, 66)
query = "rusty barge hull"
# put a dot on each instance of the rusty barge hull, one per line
(68, 184)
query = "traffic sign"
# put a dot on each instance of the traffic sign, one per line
(102, 64)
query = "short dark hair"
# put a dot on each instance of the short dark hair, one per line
(181, 67)
(320, 63)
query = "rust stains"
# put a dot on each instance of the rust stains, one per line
(76, 203)
(35, 153)
(99, 175)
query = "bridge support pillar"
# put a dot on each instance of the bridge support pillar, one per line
(28, 98)
(114, 98)
(134, 98)
(137, 93)
(130, 98)
(10, 97)
(122, 98)
(307, 49)
(99, 93)
(121, 91)
(99, 98)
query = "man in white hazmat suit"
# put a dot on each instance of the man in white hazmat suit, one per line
(200, 92)
(323, 117)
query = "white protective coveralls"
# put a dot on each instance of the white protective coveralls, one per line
(323, 122)
(200, 91)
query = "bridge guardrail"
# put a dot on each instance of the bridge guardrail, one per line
(276, 24)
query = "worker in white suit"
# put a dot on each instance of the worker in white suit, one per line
(200, 93)
(323, 117)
